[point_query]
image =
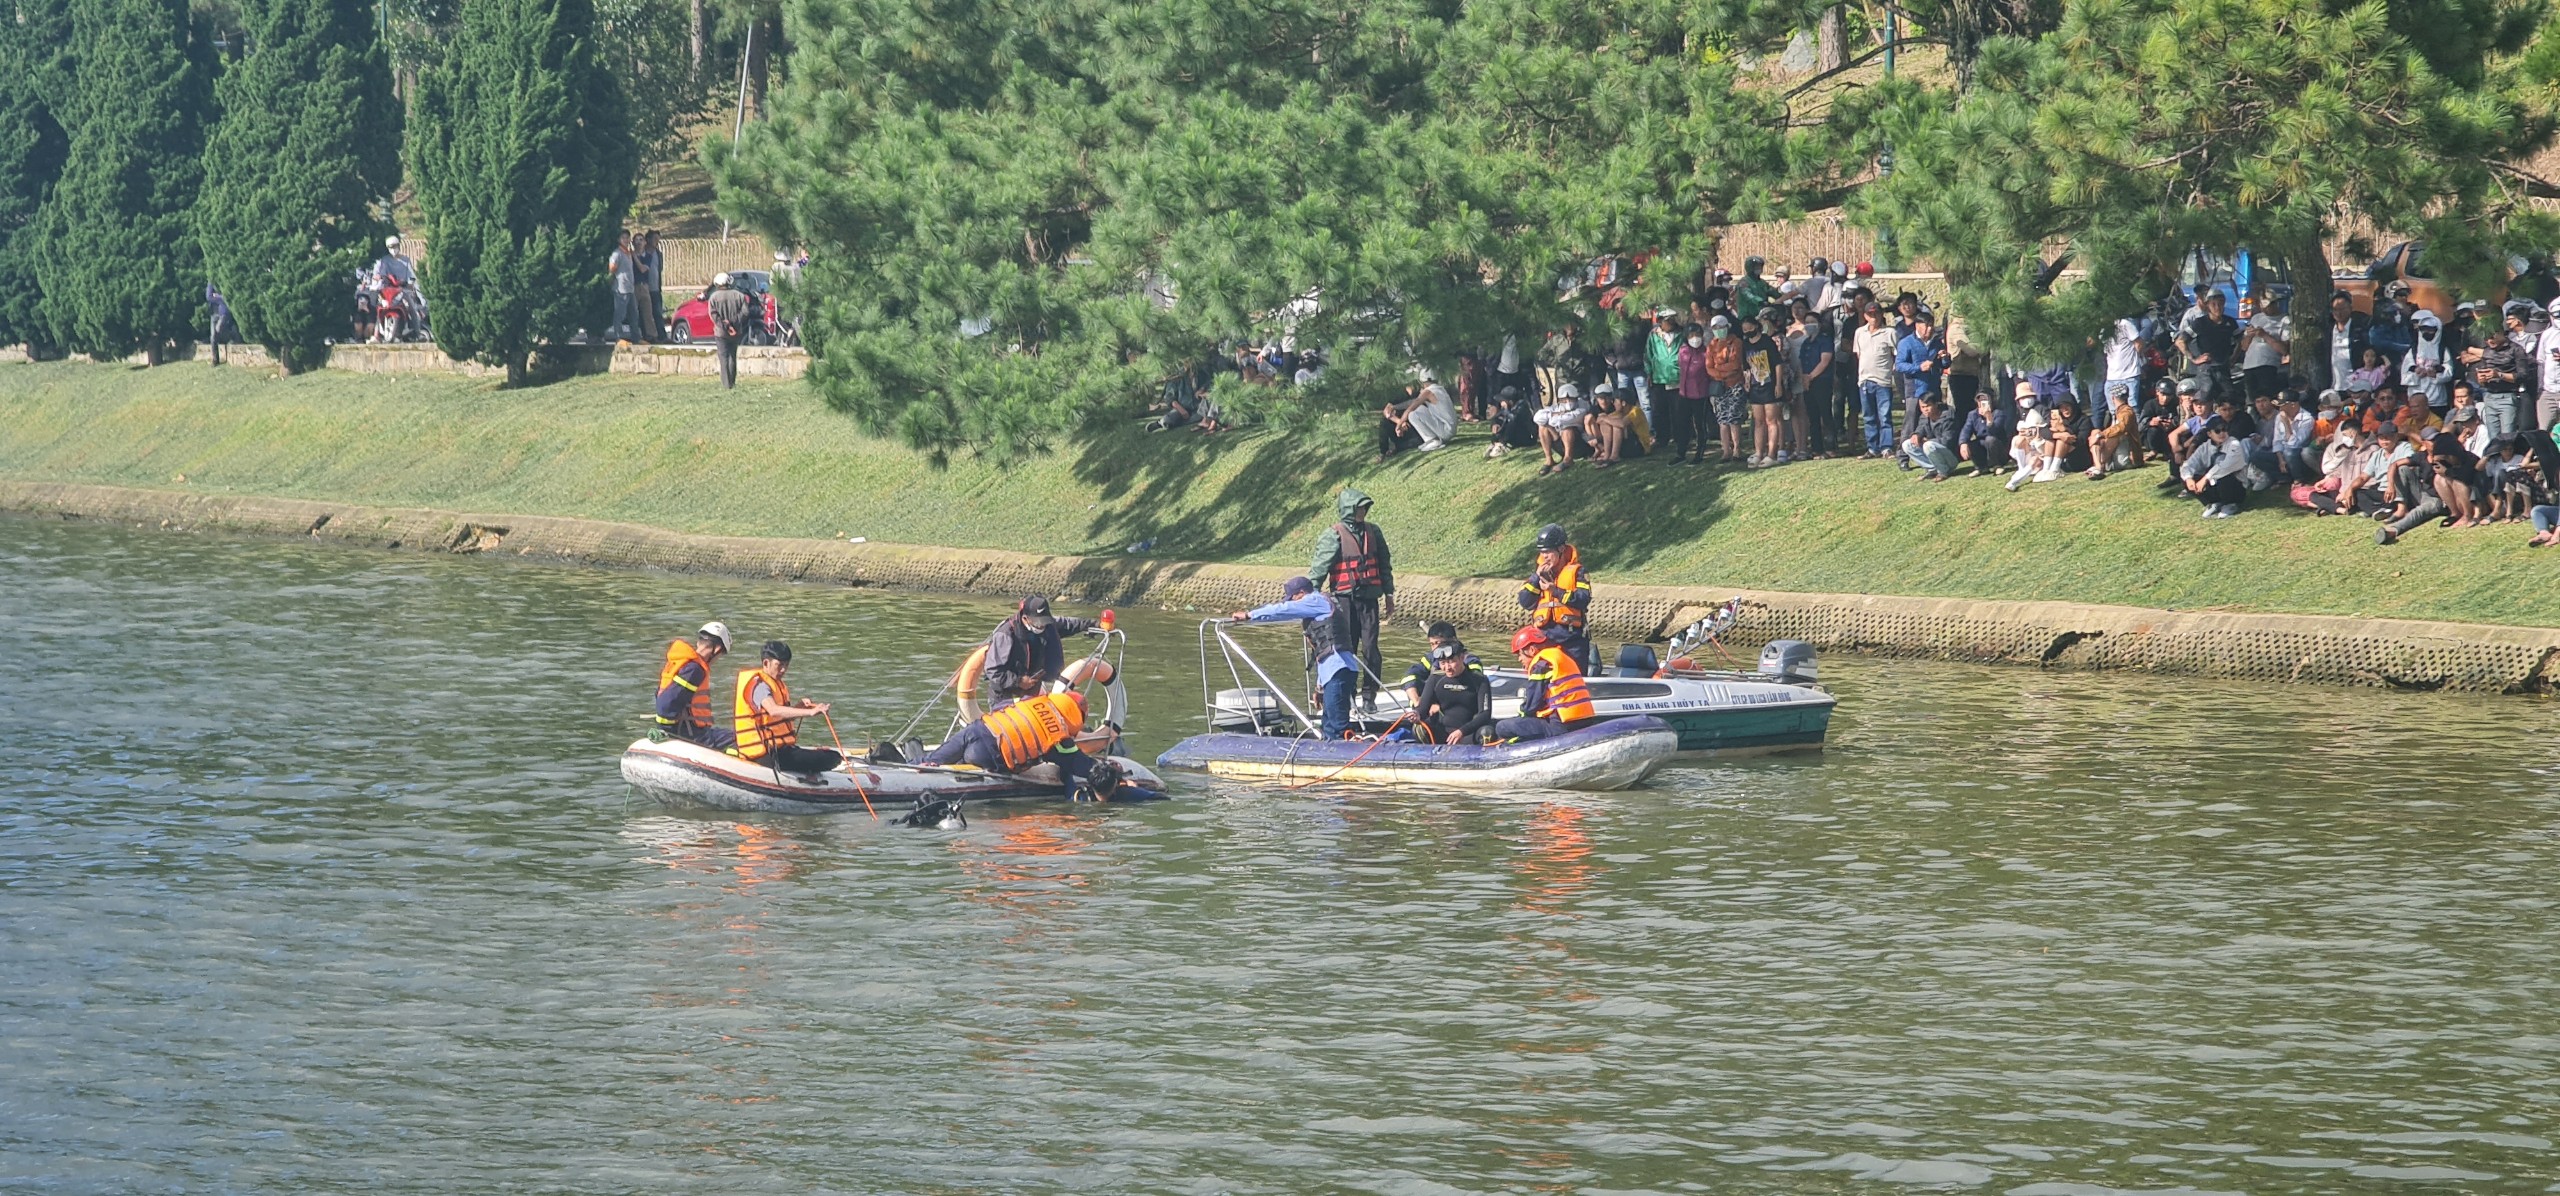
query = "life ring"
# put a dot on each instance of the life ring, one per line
(1115, 699)
(964, 683)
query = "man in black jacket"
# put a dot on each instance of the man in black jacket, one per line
(2210, 339)
(2343, 340)
(1024, 654)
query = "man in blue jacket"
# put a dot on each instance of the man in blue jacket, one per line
(1920, 359)
(1326, 620)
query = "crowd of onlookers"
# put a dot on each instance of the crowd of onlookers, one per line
(2401, 414)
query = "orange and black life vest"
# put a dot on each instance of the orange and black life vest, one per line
(758, 731)
(1026, 730)
(1554, 598)
(1360, 559)
(1568, 696)
(679, 654)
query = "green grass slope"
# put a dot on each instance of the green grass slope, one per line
(769, 459)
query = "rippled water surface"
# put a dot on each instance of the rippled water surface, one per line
(316, 875)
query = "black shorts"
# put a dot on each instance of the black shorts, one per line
(2265, 381)
(1759, 395)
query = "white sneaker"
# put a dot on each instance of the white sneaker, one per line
(2021, 479)
(1496, 451)
(1431, 445)
(2052, 473)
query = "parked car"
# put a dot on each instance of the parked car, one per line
(692, 320)
(2407, 262)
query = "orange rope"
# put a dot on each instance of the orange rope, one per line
(1364, 753)
(857, 785)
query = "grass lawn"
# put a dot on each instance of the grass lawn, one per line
(769, 459)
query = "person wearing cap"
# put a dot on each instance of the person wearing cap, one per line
(1026, 651)
(1326, 620)
(1688, 416)
(1558, 595)
(1661, 368)
(1453, 703)
(1984, 437)
(2032, 447)
(2292, 435)
(765, 717)
(1616, 428)
(2213, 471)
(2209, 339)
(728, 307)
(1352, 563)
(684, 689)
(1753, 292)
(1560, 427)
(396, 265)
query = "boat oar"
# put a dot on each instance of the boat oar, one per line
(1364, 753)
(841, 758)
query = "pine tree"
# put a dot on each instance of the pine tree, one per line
(524, 164)
(35, 80)
(116, 260)
(2142, 130)
(308, 143)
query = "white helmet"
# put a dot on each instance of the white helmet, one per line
(721, 279)
(718, 631)
(391, 242)
(2555, 308)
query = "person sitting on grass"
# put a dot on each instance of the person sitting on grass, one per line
(1927, 447)
(2113, 445)
(2214, 470)
(1514, 421)
(2345, 479)
(2032, 447)
(1559, 426)
(1984, 438)
(2511, 481)
(1615, 427)
(2457, 475)
(2413, 493)
(1423, 422)
(2069, 433)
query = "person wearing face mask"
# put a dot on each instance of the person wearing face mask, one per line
(2427, 369)
(1724, 386)
(1687, 433)
(1024, 654)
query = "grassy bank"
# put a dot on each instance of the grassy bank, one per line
(770, 460)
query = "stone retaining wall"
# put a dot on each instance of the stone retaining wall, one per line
(2296, 648)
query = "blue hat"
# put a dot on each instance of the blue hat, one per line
(1297, 587)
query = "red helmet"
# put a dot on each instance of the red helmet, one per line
(1527, 639)
(1866, 269)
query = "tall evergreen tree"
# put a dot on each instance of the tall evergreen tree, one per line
(308, 143)
(115, 257)
(35, 80)
(525, 166)
(2141, 130)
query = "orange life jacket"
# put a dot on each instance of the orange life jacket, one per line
(1356, 559)
(1026, 730)
(1553, 596)
(758, 731)
(679, 654)
(1568, 695)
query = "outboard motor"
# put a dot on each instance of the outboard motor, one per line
(1790, 661)
(1246, 711)
(1637, 660)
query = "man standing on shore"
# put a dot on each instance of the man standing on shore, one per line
(728, 307)
(652, 284)
(624, 268)
(1351, 563)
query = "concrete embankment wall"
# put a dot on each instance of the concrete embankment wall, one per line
(2297, 648)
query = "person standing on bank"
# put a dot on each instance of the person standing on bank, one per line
(1024, 654)
(652, 281)
(1353, 564)
(1557, 595)
(765, 715)
(623, 267)
(1326, 621)
(684, 689)
(728, 306)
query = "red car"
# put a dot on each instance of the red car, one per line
(692, 320)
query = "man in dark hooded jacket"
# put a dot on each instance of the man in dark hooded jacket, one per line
(1024, 654)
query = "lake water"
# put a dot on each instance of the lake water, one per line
(316, 875)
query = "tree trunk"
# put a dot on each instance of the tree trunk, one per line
(1831, 39)
(515, 370)
(701, 37)
(759, 65)
(2312, 283)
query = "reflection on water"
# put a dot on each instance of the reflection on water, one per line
(315, 874)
